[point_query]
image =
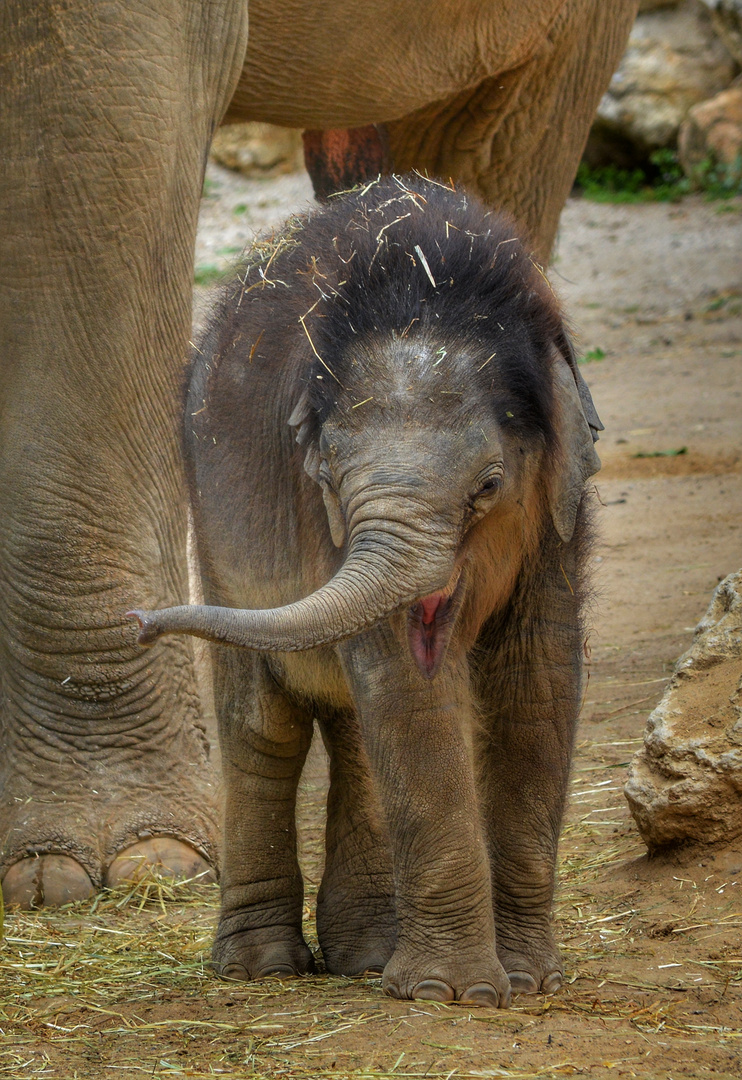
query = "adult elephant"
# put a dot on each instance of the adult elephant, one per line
(108, 111)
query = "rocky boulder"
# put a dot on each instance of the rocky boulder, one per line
(726, 16)
(685, 784)
(257, 149)
(673, 61)
(711, 134)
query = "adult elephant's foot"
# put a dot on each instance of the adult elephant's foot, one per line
(480, 982)
(68, 835)
(52, 880)
(531, 960)
(255, 954)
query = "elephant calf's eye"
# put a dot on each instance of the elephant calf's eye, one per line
(488, 483)
(485, 492)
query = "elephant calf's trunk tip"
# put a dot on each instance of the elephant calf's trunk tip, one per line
(149, 631)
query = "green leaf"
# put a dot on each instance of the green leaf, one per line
(591, 355)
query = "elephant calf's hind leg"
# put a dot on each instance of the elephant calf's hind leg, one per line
(356, 917)
(264, 740)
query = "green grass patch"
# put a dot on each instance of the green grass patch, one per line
(210, 274)
(660, 180)
(662, 453)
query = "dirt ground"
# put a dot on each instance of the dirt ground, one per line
(653, 948)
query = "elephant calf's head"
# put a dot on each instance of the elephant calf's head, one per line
(439, 409)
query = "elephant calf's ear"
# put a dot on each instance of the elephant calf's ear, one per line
(578, 460)
(565, 347)
(302, 421)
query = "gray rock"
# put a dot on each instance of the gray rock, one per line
(685, 784)
(726, 16)
(674, 60)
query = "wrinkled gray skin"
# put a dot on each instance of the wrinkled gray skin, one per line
(453, 543)
(107, 113)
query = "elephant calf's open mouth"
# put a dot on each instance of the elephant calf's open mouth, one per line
(430, 623)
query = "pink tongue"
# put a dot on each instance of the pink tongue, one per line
(430, 605)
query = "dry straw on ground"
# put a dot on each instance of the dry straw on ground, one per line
(120, 986)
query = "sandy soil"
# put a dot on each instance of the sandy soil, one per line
(653, 948)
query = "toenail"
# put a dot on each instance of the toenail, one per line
(278, 971)
(484, 995)
(236, 972)
(163, 854)
(46, 881)
(433, 990)
(551, 983)
(522, 982)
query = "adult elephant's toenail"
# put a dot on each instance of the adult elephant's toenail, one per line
(46, 881)
(485, 996)
(162, 855)
(551, 983)
(433, 990)
(521, 982)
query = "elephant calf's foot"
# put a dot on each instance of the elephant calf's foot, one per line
(46, 881)
(482, 984)
(356, 937)
(367, 954)
(534, 967)
(522, 982)
(164, 856)
(256, 954)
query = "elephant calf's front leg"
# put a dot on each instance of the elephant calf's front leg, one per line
(264, 741)
(528, 726)
(418, 740)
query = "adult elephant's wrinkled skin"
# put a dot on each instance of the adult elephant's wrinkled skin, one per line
(108, 111)
(411, 575)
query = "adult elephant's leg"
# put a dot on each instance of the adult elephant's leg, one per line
(356, 918)
(529, 685)
(418, 738)
(517, 138)
(264, 740)
(107, 114)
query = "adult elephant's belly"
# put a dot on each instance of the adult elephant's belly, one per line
(392, 61)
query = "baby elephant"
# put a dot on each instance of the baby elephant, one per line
(388, 441)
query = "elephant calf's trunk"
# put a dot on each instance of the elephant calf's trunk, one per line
(367, 588)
